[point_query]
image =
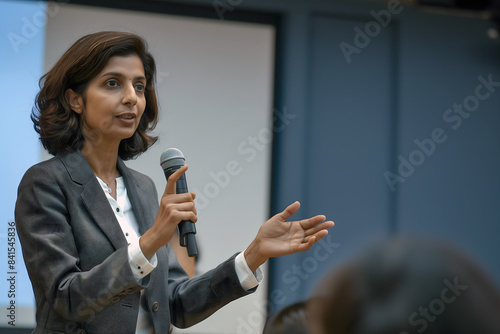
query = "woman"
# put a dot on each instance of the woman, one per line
(94, 239)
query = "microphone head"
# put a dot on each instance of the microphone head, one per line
(172, 157)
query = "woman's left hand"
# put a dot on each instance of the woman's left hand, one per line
(278, 237)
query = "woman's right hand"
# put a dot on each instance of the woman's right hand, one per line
(174, 208)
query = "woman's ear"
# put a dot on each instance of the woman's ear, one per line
(75, 100)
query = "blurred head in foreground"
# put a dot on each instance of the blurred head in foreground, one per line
(290, 320)
(406, 286)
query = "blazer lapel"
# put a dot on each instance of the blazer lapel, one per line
(93, 197)
(137, 197)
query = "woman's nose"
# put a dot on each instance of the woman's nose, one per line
(130, 95)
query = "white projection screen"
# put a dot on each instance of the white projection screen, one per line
(215, 88)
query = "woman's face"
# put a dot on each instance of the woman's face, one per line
(115, 100)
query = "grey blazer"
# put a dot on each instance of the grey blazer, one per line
(77, 260)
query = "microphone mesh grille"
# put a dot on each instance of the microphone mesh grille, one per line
(172, 157)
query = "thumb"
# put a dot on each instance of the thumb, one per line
(289, 211)
(172, 180)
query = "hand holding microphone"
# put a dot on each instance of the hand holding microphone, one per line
(171, 161)
(176, 207)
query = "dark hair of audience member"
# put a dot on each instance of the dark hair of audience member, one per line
(290, 320)
(407, 286)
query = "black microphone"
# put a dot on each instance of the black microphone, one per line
(171, 160)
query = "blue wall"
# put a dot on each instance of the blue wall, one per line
(455, 193)
(374, 146)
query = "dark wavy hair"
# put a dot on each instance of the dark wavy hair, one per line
(59, 127)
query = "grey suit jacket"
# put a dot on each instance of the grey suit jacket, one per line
(77, 260)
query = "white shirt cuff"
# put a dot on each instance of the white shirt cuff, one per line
(139, 264)
(248, 279)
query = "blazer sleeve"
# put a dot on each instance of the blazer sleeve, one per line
(196, 299)
(50, 252)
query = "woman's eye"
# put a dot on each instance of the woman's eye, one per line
(140, 87)
(112, 83)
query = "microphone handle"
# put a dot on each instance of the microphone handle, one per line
(192, 248)
(186, 228)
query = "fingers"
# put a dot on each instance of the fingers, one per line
(314, 227)
(186, 215)
(178, 216)
(178, 207)
(313, 221)
(172, 180)
(311, 240)
(317, 237)
(289, 211)
(187, 207)
(179, 199)
(307, 245)
(314, 232)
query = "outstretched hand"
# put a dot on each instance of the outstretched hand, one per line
(278, 237)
